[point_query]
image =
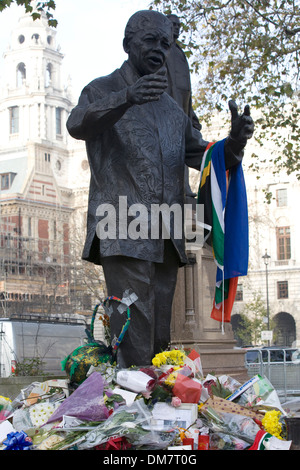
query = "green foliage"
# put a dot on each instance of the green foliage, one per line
(218, 390)
(242, 331)
(247, 50)
(42, 7)
(29, 367)
(251, 322)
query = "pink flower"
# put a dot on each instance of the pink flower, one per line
(175, 402)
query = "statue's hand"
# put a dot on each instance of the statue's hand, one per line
(242, 126)
(147, 88)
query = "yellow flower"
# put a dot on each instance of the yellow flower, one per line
(173, 357)
(272, 424)
(173, 354)
(171, 379)
(156, 361)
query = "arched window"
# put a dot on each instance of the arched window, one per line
(284, 329)
(21, 74)
(48, 75)
(35, 37)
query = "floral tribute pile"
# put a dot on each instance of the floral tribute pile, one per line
(167, 405)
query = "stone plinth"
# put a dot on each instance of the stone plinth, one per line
(192, 326)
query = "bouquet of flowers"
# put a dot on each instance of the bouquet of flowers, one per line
(257, 393)
(88, 402)
(222, 441)
(175, 357)
(179, 371)
(140, 380)
(271, 423)
(124, 422)
(33, 416)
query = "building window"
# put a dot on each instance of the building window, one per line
(47, 157)
(282, 290)
(58, 121)
(283, 243)
(29, 227)
(54, 230)
(239, 293)
(7, 180)
(48, 74)
(21, 74)
(281, 197)
(35, 37)
(14, 120)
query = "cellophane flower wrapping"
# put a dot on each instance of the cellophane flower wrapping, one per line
(51, 390)
(193, 360)
(260, 395)
(242, 427)
(86, 402)
(136, 380)
(33, 416)
(222, 441)
(126, 421)
(5, 408)
(36, 403)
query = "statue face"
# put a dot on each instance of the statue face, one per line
(148, 49)
(176, 25)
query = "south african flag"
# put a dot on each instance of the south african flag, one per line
(223, 194)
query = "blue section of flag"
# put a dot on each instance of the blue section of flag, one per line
(234, 202)
(236, 226)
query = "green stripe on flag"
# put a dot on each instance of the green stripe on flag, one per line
(219, 292)
(217, 239)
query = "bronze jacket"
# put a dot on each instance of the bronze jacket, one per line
(137, 152)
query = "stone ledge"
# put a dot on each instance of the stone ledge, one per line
(10, 387)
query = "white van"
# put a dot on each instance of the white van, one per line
(47, 339)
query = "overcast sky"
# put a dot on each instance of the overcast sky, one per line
(90, 34)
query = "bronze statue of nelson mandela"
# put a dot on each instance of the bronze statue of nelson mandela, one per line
(138, 141)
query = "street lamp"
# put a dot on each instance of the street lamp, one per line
(266, 258)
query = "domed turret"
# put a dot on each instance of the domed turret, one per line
(30, 33)
(34, 96)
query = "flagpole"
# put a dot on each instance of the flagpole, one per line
(266, 258)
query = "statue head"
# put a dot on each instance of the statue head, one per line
(176, 25)
(147, 41)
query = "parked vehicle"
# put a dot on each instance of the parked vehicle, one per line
(272, 354)
(48, 340)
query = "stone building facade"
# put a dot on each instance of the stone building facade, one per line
(44, 178)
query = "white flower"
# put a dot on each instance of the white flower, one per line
(41, 412)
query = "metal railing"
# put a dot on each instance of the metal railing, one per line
(284, 374)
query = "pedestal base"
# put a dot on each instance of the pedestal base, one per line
(219, 359)
(192, 327)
